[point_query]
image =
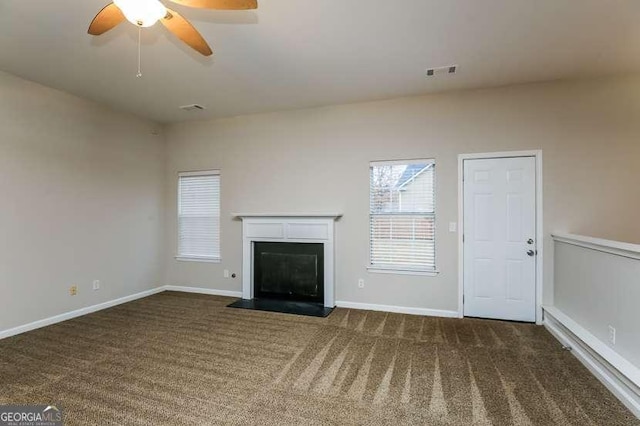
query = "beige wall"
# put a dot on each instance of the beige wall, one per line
(316, 160)
(82, 199)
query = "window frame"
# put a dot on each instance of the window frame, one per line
(400, 270)
(192, 258)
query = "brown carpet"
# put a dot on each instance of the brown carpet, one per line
(183, 359)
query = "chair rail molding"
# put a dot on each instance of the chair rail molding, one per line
(599, 244)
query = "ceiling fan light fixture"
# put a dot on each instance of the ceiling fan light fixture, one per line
(142, 13)
(145, 13)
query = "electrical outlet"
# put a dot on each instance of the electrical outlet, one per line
(226, 273)
(73, 290)
(612, 335)
(360, 283)
(96, 284)
(453, 226)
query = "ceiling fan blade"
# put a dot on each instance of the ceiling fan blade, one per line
(220, 4)
(107, 18)
(183, 29)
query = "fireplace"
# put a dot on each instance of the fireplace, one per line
(288, 271)
(288, 257)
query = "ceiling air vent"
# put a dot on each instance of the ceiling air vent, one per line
(449, 69)
(193, 107)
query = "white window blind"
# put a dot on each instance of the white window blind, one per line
(199, 215)
(402, 215)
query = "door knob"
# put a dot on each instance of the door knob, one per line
(531, 252)
(530, 241)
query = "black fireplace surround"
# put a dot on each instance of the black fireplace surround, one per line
(287, 278)
(288, 271)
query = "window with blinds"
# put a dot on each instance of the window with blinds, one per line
(402, 215)
(199, 215)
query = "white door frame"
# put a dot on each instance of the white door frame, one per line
(539, 230)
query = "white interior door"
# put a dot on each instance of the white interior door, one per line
(499, 238)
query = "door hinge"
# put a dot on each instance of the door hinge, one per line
(463, 238)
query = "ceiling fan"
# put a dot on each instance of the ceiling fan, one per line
(145, 13)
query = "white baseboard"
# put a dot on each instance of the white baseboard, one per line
(78, 312)
(94, 308)
(616, 373)
(200, 290)
(398, 309)
(229, 293)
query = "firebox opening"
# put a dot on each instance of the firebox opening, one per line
(289, 271)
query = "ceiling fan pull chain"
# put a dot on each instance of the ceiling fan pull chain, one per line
(139, 43)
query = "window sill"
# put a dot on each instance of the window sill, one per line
(198, 259)
(375, 270)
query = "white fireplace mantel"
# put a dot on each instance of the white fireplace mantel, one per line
(291, 228)
(288, 215)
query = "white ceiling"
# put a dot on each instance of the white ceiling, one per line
(300, 53)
